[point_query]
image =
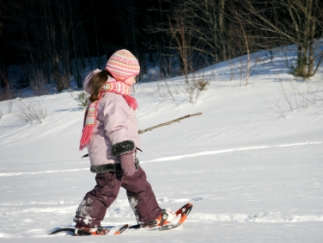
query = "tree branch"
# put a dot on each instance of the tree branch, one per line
(168, 123)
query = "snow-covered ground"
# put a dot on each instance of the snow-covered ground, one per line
(251, 163)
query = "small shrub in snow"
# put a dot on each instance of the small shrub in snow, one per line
(31, 113)
(195, 85)
(6, 92)
(82, 99)
(297, 95)
(201, 85)
(38, 82)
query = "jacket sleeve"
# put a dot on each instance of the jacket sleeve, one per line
(116, 127)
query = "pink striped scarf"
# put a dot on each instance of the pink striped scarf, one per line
(92, 108)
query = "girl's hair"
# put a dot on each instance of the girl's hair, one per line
(96, 83)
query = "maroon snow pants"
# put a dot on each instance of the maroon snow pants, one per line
(140, 195)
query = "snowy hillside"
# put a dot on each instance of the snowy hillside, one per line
(251, 163)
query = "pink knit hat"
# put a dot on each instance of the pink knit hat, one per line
(122, 65)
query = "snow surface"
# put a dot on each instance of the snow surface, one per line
(251, 163)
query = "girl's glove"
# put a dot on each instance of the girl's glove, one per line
(128, 163)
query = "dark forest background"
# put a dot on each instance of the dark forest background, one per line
(53, 38)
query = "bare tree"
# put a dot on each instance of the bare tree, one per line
(208, 17)
(76, 69)
(181, 45)
(298, 22)
(6, 92)
(2, 62)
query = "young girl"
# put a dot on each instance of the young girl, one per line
(110, 134)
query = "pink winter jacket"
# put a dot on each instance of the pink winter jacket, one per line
(115, 122)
